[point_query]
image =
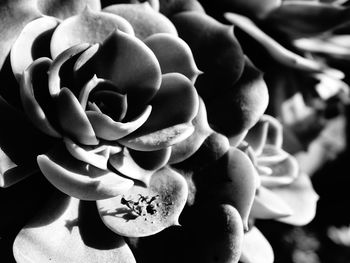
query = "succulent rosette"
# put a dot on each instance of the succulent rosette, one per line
(285, 193)
(101, 106)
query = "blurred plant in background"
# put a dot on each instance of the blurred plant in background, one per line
(298, 45)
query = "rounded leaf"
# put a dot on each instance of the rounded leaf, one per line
(231, 179)
(174, 91)
(173, 54)
(215, 48)
(215, 233)
(146, 211)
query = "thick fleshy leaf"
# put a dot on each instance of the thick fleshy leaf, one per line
(277, 51)
(73, 120)
(32, 43)
(14, 16)
(79, 179)
(69, 230)
(146, 211)
(256, 248)
(214, 233)
(86, 27)
(64, 9)
(179, 59)
(231, 179)
(139, 165)
(237, 109)
(144, 19)
(268, 205)
(215, 48)
(305, 18)
(35, 96)
(301, 197)
(175, 90)
(108, 129)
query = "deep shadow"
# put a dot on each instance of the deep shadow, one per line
(22, 201)
(93, 231)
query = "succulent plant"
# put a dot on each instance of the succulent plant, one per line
(142, 126)
(109, 108)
